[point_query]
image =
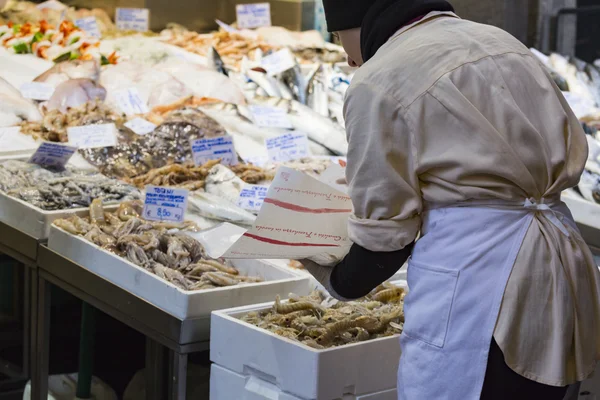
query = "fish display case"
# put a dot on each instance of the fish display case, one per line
(180, 303)
(252, 362)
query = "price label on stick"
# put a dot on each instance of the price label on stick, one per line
(253, 15)
(252, 197)
(37, 91)
(288, 147)
(92, 136)
(270, 117)
(278, 62)
(129, 101)
(165, 204)
(140, 126)
(54, 155)
(89, 25)
(132, 19)
(207, 149)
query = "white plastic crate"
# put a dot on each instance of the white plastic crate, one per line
(166, 296)
(298, 370)
(31, 220)
(228, 385)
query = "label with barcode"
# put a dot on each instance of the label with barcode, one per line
(252, 197)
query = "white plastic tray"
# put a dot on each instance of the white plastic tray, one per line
(298, 370)
(584, 212)
(31, 220)
(166, 296)
(228, 385)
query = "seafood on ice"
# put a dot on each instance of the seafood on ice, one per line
(67, 70)
(51, 42)
(50, 190)
(169, 143)
(313, 321)
(162, 248)
(14, 108)
(53, 126)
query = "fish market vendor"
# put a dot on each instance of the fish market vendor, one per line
(460, 145)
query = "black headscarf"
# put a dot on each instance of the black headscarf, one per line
(386, 17)
(379, 19)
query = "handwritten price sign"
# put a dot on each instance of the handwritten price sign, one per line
(165, 204)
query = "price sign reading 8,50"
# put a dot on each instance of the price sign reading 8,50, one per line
(165, 204)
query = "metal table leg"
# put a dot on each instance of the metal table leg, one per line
(155, 370)
(177, 375)
(32, 279)
(39, 385)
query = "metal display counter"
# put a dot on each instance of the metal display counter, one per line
(23, 249)
(168, 339)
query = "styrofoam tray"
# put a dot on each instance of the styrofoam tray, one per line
(166, 296)
(228, 385)
(31, 220)
(298, 370)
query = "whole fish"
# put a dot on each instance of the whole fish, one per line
(73, 69)
(75, 93)
(319, 129)
(14, 108)
(295, 83)
(223, 182)
(317, 96)
(215, 207)
(237, 120)
(215, 61)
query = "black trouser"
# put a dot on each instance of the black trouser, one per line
(502, 383)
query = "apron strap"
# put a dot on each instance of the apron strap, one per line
(551, 215)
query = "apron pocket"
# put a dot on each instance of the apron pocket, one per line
(428, 303)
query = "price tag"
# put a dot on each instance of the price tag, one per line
(253, 15)
(140, 126)
(53, 155)
(270, 117)
(51, 5)
(226, 27)
(89, 25)
(165, 204)
(259, 160)
(207, 149)
(133, 19)
(129, 101)
(37, 91)
(92, 136)
(252, 197)
(287, 147)
(278, 62)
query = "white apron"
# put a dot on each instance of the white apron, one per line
(456, 277)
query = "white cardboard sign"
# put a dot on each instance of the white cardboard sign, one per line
(301, 217)
(253, 15)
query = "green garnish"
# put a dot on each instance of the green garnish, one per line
(74, 40)
(21, 48)
(2, 33)
(74, 55)
(16, 28)
(63, 57)
(104, 60)
(37, 37)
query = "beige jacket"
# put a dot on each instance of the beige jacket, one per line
(450, 110)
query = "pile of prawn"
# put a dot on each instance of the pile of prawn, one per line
(159, 247)
(191, 177)
(312, 322)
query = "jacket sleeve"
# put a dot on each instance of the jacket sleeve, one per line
(381, 171)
